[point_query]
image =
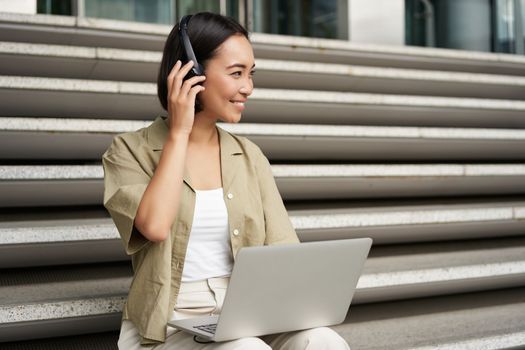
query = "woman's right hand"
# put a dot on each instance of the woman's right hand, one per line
(181, 98)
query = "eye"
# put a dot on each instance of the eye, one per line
(239, 73)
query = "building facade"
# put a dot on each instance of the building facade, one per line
(478, 25)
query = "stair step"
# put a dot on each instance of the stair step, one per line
(63, 61)
(77, 98)
(97, 341)
(126, 100)
(410, 223)
(425, 270)
(82, 31)
(73, 241)
(62, 318)
(297, 48)
(281, 74)
(69, 294)
(56, 242)
(81, 62)
(51, 185)
(61, 283)
(66, 138)
(48, 185)
(393, 180)
(486, 320)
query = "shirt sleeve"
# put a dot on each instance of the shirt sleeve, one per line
(124, 185)
(279, 228)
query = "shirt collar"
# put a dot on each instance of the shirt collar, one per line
(230, 148)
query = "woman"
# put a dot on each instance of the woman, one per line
(186, 195)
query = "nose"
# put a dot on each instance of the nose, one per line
(246, 87)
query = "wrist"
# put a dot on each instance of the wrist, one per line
(178, 135)
(177, 139)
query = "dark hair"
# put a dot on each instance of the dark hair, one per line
(207, 31)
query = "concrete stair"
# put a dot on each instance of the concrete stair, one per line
(68, 294)
(87, 139)
(53, 185)
(27, 240)
(420, 149)
(101, 63)
(447, 322)
(464, 321)
(94, 32)
(60, 97)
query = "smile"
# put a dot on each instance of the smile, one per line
(238, 104)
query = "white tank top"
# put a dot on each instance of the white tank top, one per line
(209, 253)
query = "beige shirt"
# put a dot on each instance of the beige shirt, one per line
(256, 216)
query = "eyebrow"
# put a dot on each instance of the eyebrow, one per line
(240, 65)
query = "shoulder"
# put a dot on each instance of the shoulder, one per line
(124, 143)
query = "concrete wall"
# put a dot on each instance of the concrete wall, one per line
(20, 6)
(377, 21)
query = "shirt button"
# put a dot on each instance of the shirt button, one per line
(235, 232)
(230, 195)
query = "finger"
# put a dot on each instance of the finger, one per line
(179, 77)
(194, 91)
(172, 74)
(174, 69)
(185, 69)
(188, 84)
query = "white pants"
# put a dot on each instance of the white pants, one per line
(206, 298)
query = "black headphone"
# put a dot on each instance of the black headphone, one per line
(197, 69)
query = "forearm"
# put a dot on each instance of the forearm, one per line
(160, 202)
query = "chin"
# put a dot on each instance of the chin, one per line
(232, 119)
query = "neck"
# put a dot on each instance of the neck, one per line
(204, 132)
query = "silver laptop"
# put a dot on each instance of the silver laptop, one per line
(282, 288)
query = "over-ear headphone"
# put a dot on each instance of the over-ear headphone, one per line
(197, 69)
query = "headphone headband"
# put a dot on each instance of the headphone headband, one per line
(188, 49)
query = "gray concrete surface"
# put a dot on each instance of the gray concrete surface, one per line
(127, 100)
(75, 138)
(141, 66)
(117, 34)
(83, 184)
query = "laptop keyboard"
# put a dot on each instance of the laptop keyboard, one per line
(210, 328)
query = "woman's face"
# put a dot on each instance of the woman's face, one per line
(228, 80)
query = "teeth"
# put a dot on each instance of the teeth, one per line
(239, 103)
